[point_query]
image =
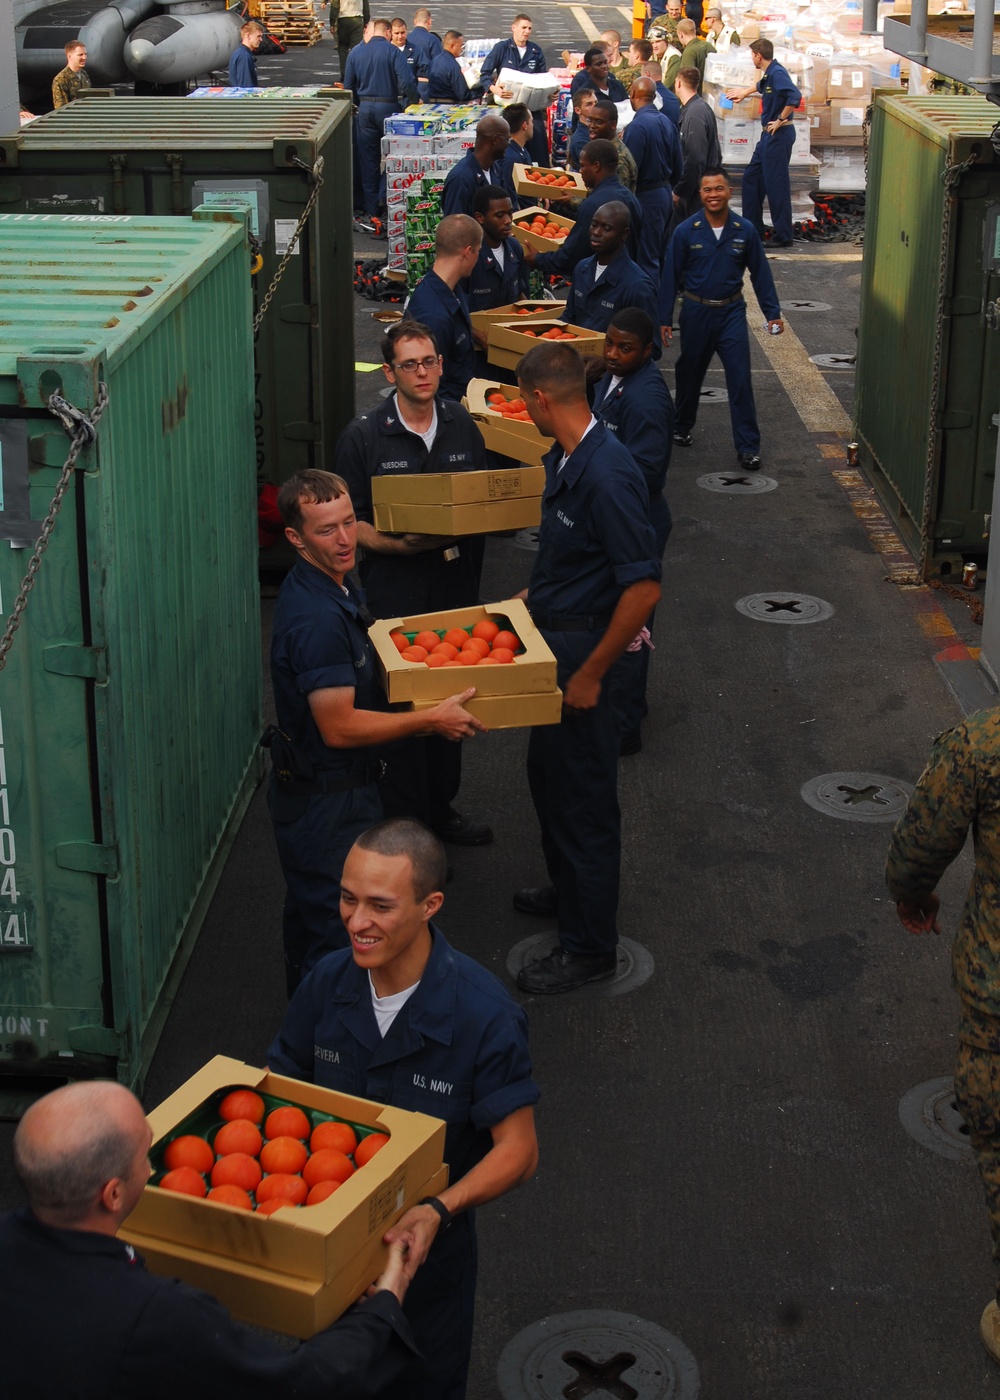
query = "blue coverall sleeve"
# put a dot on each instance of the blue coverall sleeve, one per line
(351, 75)
(523, 286)
(673, 268)
(351, 465)
(570, 312)
(622, 525)
(576, 246)
(453, 196)
(291, 1052)
(676, 153)
(645, 430)
(762, 277)
(490, 68)
(240, 71)
(503, 1081)
(459, 86)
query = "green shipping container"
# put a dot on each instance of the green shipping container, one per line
(146, 155)
(928, 362)
(130, 704)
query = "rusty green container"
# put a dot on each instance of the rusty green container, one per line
(130, 703)
(928, 365)
(161, 156)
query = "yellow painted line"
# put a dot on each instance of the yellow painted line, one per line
(626, 13)
(831, 449)
(815, 257)
(585, 22)
(812, 398)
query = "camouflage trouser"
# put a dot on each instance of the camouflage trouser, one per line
(977, 1092)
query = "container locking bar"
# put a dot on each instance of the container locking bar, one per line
(88, 858)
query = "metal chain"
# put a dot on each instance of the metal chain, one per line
(82, 429)
(911, 579)
(316, 171)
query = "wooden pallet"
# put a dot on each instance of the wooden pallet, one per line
(294, 22)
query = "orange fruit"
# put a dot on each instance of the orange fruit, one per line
(435, 660)
(450, 663)
(487, 630)
(239, 1135)
(237, 1169)
(469, 657)
(477, 644)
(242, 1103)
(503, 656)
(445, 649)
(230, 1196)
(368, 1146)
(516, 406)
(506, 639)
(189, 1151)
(283, 1154)
(414, 653)
(184, 1179)
(321, 1192)
(457, 637)
(282, 1186)
(328, 1164)
(339, 1135)
(427, 640)
(489, 661)
(269, 1207)
(399, 640)
(288, 1121)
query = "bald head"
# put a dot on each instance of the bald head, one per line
(642, 93)
(81, 1155)
(492, 134)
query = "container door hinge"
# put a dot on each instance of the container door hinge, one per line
(300, 315)
(88, 857)
(956, 418)
(95, 1040)
(302, 432)
(90, 663)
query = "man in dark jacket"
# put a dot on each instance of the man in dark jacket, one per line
(445, 80)
(439, 299)
(427, 45)
(470, 173)
(86, 1319)
(500, 275)
(699, 143)
(595, 74)
(599, 168)
(656, 145)
(242, 64)
(521, 53)
(381, 83)
(609, 280)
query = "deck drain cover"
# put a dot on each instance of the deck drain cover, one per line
(930, 1115)
(734, 483)
(607, 1355)
(806, 306)
(788, 608)
(635, 964)
(526, 539)
(833, 361)
(857, 797)
(713, 396)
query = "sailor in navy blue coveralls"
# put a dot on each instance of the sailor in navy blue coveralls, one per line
(381, 83)
(521, 53)
(655, 143)
(319, 640)
(445, 79)
(446, 313)
(595, 547)
(599, 168)
(456, 1049)
(767, 174)
(634, 403)
(481, 166)
(608, 280)
(428, 46)
(709, 270)
(595, 74)
(500, 277)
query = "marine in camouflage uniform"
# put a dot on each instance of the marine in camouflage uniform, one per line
(67, 85)
(959, 789)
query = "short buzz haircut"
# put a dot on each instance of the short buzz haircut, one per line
(555, 369)
(382, 26)
(581, 93)
(643, 48)
(67, 1184)
(518, 18)
(612, 34)
(713, 172)
(398, 20)
(607, 108)
(602, 153)
(251, 27)
(653, 70)
(516, 116)
(764, 47)
(456, 232)
(595, 51)
(311, 488)
(75, 44)
(487, 195)
(632, 320)
(420, 15)
(690, 77)
(401, 836)
(454, 34)
(686, 26)
(407, 329)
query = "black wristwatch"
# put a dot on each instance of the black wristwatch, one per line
(440, 1207)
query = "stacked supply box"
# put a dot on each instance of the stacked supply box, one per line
(419, 147)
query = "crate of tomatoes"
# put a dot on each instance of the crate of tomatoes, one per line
(508, 341)
(537, 228)
(274, 1195)
(542, 182)
(482, 320)
(503, 420)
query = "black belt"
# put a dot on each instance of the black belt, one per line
(325, 782)
(366, 98)
(705, 301)
(567, 622)
(651, 185)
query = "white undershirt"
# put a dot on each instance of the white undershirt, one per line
(521, 52)
(498, 254)
(565, 456)
(388, 1008)
(427, 436)
(616, 379)
(599, 270)
(717, 231)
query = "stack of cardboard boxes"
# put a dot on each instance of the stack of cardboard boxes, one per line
(419, 147)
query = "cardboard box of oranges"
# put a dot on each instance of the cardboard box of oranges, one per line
(513, 436)
(459, 503)
(537, 228)
(543, 182)
(297, 1269)
(482, 320)
(510, 340)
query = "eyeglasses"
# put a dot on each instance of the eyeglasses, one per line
(428, 363)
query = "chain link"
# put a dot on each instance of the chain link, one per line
(316, 171)
(82, 429)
